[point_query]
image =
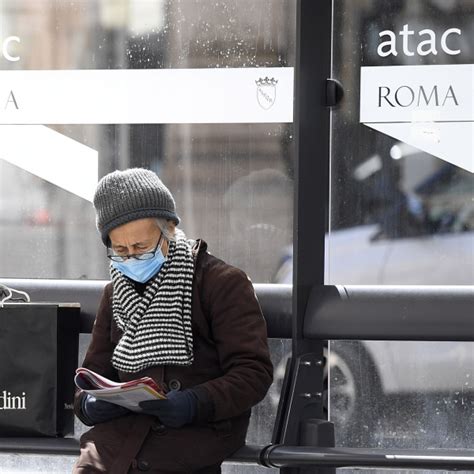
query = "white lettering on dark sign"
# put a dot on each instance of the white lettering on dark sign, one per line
(12, 402)
(6, 52)
(427, 42)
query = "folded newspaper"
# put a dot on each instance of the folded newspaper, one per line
(126, 394)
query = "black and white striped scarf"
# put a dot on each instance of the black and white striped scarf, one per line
(156, 325)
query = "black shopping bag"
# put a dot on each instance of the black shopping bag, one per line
(38, 357)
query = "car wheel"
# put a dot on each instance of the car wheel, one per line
(353, 393)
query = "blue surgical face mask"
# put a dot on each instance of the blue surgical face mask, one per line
(141, 270)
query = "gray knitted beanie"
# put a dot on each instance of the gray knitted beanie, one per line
(124, 196)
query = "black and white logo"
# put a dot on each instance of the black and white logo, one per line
(266, 92)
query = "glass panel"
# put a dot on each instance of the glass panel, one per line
(233, 182)
(402, 212)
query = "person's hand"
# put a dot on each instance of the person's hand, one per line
(98, 411)
(178, 409)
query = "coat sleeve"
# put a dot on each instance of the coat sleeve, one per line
(240, 334)
(99, 354)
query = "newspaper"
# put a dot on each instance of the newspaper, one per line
(126, 394)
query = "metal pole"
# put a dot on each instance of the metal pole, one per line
(285, 456)
(301, 406)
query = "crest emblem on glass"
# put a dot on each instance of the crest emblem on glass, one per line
(266, 92)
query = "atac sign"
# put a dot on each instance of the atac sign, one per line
(429, 107)
(266, 92)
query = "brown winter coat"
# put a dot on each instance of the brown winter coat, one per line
(231, 364)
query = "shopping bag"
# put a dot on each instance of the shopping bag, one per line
(38, 358)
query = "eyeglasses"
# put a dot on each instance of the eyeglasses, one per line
(138, 256)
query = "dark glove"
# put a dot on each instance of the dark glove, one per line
(179, 408)
(98, 411)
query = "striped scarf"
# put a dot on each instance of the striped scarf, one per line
(156, 325)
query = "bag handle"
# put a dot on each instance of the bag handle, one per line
(9, 294)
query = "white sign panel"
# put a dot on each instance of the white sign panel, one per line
(51, 156)
(428, 107)
(243, 95)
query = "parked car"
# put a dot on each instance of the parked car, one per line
(439, 250)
